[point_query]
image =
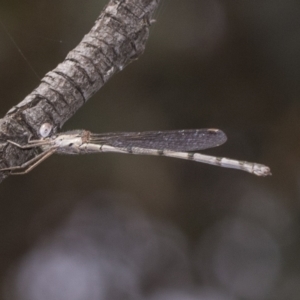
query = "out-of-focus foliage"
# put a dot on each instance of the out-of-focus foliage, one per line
(124, 227)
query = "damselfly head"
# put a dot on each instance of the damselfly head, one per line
(45, 130)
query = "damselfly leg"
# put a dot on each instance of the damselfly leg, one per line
(30, 164)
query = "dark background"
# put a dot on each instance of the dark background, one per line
(113, 226)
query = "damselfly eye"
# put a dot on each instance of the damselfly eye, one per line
(45, 130)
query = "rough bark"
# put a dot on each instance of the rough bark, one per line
(117, 38)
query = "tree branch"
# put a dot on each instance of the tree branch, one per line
(117, 38)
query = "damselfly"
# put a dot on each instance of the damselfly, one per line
(177, 144)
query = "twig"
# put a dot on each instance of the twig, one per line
(117, 38)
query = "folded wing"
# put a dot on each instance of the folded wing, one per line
(175, 140)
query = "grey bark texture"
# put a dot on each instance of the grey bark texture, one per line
(117, 38)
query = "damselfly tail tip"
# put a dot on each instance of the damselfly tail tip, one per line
(261, 170)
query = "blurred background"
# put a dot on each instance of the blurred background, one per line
(113, 226)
